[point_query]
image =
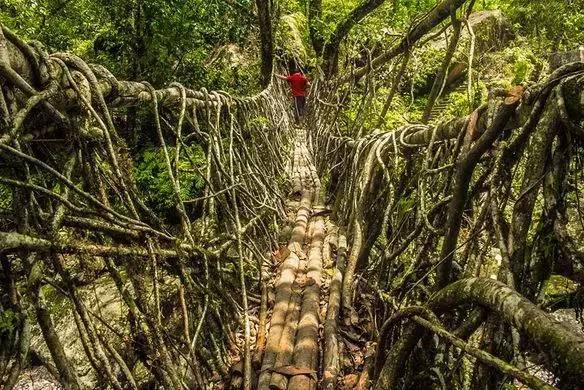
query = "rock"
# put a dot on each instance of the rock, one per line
(103, 300)
(562, 58)
(230, 56)
(349, 381)
(37, 378)
(492, 31)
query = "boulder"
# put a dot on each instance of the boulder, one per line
(558, 59)
(492, 32)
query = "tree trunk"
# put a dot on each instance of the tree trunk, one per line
(267, 40)
(314, 13)
(430, 20)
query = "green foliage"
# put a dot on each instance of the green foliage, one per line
(8, 320)
(63, 25)
(157, 40)
(395, 115)
(511, 66)
(557, 284)
(404, 207)
(5, 197)
(521, 64)
(153, 179)
(392, 18)
(457, 105)
(379, 27)
(258, 121)
(556, 24)
(424, 67)
(292, 35)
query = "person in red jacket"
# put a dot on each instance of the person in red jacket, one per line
(298, 84)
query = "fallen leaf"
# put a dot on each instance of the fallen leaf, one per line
(281, 254)
(358, 359)
(297, 249)
(370, 348)
(350, 381)
(350, 346)
(363, 381)
(514, 94)
(291, 370)
(327, 375)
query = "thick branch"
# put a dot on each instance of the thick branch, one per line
(331, 48)
(267, 41)
(563, 347)
(13, 241)
(424, 26)
(314, 13)
(464, 170)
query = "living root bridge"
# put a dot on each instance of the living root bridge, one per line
(422, 208)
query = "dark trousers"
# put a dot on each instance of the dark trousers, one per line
(299, 107)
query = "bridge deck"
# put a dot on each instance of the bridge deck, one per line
(292, 350)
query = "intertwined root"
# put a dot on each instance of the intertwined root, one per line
(424, 205)
(70, 198)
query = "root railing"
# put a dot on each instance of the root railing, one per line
(424, 204)
(74, 215)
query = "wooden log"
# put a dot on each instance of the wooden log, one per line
(286, 349)
(288, 271)
(331, 343)
(306, 348)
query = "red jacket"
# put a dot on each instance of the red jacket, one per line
(298, 83)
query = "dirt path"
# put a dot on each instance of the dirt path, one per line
(291, 357)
